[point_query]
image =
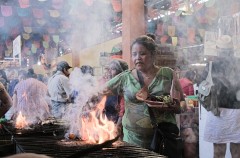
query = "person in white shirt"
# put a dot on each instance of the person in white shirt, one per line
(59, 89)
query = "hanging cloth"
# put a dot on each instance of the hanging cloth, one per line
(27, 29)
(51, 30)
(55, 38)
(24, 3)
(26, 21)
(46, 38)
(54, 13)
(171, 31)
(41, 21)
(6, 10)
(25, 36)
(23, 12)
(45, 44)
(174, 41)
(38, 13)
(57, 4)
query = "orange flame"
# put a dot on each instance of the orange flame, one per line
(97, 128)
(21, 121)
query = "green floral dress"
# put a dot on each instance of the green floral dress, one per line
(136, 122)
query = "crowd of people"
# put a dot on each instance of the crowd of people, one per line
(123, 107)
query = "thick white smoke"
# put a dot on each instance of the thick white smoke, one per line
(31, 100)
(84, 86)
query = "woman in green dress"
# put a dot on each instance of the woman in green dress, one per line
(137, 128)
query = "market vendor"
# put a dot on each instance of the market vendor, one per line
(59, 89)
(136, 122)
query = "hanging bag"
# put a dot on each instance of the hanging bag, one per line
(204, 90)
(166, 140)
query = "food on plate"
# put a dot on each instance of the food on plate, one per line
(165, 99)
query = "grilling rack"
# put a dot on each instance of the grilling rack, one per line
(47, 143)
(7, 145)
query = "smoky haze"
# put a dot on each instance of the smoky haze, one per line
(84, 87)
(31, 101)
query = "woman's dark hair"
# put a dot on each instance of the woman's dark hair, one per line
(31, 73)
(147, 42)
(151, 35)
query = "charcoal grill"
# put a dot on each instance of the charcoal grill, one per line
(120, 149)
(7, 145)
(38, 130)
(47, 143)
(112, 149)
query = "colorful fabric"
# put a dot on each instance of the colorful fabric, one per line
(54, 13)
(24, 3)
(57, 4)
(6, 10)
(23, 12)
(136, 121)
(38, 13)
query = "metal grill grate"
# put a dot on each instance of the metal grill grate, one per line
(48, 144)
(123, 150)
(7, 145)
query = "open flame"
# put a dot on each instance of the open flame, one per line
(21, 121)
(97, 128)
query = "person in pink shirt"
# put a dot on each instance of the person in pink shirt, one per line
(187, 82)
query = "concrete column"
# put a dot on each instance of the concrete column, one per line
(133, 19)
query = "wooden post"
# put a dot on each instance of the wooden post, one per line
(133, 20)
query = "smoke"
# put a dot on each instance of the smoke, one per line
(91, 24)
(84, 117)
(31, 100)
(84, 86)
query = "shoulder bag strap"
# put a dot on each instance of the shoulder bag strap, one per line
(140, 78)
(151, 114)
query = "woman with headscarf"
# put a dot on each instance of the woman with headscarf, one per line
(114, 106)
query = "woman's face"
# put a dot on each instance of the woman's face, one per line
(141, 57)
